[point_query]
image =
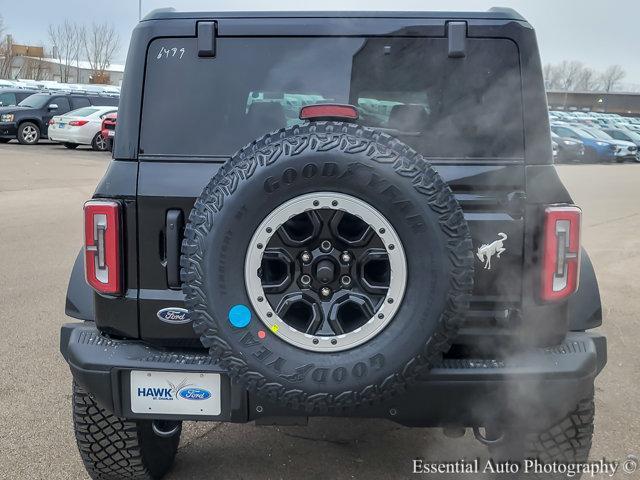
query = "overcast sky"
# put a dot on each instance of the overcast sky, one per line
(596, 32)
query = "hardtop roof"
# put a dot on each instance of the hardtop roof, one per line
(495, 13)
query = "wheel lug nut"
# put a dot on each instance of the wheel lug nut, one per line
(345, 257)
(306, 257)
(305, 279)
(325, 246)
(345, 280)
(325, 291)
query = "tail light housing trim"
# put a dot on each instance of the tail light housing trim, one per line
(102, 243)
(78, 123)
(561, 252)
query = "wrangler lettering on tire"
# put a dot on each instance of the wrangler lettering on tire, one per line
(351, 253)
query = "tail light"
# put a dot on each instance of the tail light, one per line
(102, 245)
(561, 254)
(328, 111)
(78, 123)
(51, 122)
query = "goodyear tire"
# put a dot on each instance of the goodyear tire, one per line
(361, 165)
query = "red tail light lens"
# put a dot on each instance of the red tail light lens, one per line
(51, 122)
(561, 255)
(78, 123)
(102, 245)
(327, 110)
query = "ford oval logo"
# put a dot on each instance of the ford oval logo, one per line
(174, 315)
(192, 393)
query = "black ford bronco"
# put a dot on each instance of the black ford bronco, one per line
(332, 214)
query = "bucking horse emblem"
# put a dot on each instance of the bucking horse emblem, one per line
(488, 250)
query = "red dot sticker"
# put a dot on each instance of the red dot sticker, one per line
(262, 334)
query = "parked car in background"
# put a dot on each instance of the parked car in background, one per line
(80, 127)
(624, 134)
(108, 130)
(595, 149)
(569, 149)
(12, 96)
(626, 150)
(29, 120)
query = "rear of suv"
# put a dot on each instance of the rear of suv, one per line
(356, 215)
(28, 121)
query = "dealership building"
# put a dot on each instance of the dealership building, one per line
(627, 104)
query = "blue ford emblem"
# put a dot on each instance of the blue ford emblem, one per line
(174, 315)
(191, 393)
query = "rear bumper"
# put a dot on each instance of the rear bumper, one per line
(70, 136)
(538, 382)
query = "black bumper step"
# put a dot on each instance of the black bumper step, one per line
(466, 392)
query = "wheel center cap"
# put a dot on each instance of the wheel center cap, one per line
(325, 271)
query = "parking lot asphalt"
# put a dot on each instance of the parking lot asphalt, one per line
(42, 189)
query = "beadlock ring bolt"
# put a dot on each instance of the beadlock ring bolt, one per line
(325, 291)
(345, 257)
(306, 257)
(345, 280)
(325, 246)
(305, 279)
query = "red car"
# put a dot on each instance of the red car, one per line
(108, 130)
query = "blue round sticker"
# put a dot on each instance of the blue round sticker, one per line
(239, 316)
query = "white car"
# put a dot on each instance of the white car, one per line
(80, 127)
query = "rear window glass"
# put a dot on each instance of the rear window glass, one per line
(443, 107)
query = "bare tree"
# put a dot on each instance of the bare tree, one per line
(6, 51)
(568, 73)
(81, 31)
(547, 70)
(611, 76)
(101, 44)
(34, 69)
(587, 80)
(553, 76)
(67, 42)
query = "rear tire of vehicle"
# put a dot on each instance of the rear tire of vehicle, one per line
(99, 144)
(567, 441)
(71, 146)
(113, 448)
(5, 140)
(28, 133)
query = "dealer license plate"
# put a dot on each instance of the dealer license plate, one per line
(179, 393)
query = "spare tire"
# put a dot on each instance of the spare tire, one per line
(326, 266)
